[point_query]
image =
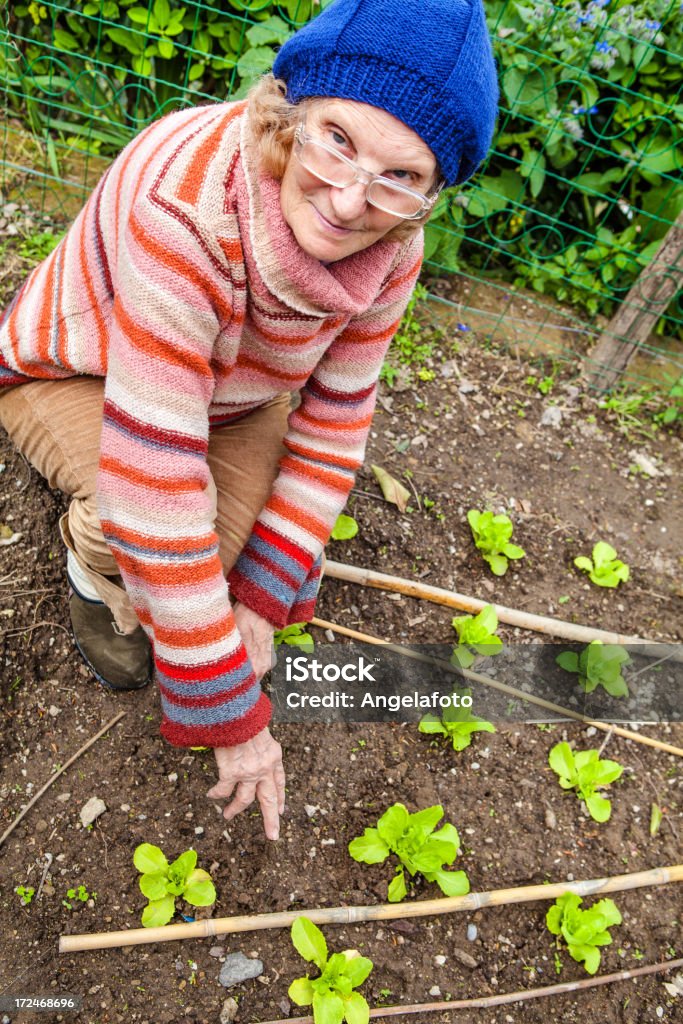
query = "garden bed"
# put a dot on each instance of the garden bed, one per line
(469, 438)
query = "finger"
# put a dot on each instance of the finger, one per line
(267, 794)
(279, 776)
(222, 790)
(246, 793)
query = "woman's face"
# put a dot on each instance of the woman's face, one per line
(330, 223)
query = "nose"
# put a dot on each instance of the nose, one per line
(348, 203)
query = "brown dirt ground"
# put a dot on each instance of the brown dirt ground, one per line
(471, 437)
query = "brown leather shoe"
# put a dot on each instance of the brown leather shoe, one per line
(118, 661)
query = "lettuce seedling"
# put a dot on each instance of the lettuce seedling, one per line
(598, 665)
(25, 894)
(345, 528)
(492, 537)
(605, 569)
(477, 632)
(162, 882)
(419, 849)
(458, 723)
(584, 931)
(294, 636)
(331, 994)
(585, 772)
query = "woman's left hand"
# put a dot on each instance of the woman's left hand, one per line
(257, 636)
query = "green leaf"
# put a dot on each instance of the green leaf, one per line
(345, 528)
(498, 564)
(599, 807)
(392, 490)
(199, 889)
(561, 760)
(309, 942)
(603, 552)
(369, 848)
(158, 912)
(256, 61)
(427, 819)
(149, 859)
(452, 883)
(153, 886)
(184, 865)
(568, 660)
(393, 824)
(397, 888)
(358, 969)
(327, 1008)
(301, 992)
(356, 1009)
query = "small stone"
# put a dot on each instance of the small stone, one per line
(217, 951)
(471, 932)
(173, 777)
(660, 1011)
(64, 797)
(329, 636)
(550, 819)
(311, 810)
(238, 968)
(285, 1006)
(551, 417)
(41, 825)
(125, 808)
(475, 766)
(464, 957)
(440, 960)
(644, 463)
(228, 1011)
(91, 811)
(435, 990)
(199, 831)
(53, 711)
(591, 730)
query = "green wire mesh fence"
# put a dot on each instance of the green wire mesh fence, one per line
(556, 244)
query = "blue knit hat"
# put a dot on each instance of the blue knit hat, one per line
(427, 62)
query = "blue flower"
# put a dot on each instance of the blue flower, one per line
(463, 327)
(593, 110)
(603, 47)
(584, 17)
(600, 3)
(654, 26)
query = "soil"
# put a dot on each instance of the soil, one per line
(469, 438)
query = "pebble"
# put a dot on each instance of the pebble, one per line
(329, 635)
(125, 808)
(285, 1006)
(63, 797)
(91, 811)
(440, 960)
(228, 1011)
(199, 831)
(471, 932)
(464, 958)
(550, 819)
(217, 951)
(311, 810)
(551, 417)
(173, 777)
(238, 968)
(53, 711)
(645, 464)
(475, 766)
(435, 990)
(591, 730)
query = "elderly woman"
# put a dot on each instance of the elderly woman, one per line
(231, 255)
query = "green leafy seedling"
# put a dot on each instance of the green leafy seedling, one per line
(585, 772)
(294, 636)
(162, 883)
(584, 931)
(418, 847)
(458, 723)
(598, 665)
(345, 528)
(605, 569)
(492, 537)
(478, 633)
(25, 894)
(331, 994)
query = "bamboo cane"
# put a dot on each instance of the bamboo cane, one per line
(511, 691)
(380, 912)
(525, 620)
(505, 998)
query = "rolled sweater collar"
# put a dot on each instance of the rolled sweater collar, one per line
(346, 287)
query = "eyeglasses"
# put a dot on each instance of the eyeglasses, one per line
(335, 169)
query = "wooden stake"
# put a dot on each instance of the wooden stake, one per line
(381, 912)
(511, 691)
(505, 998)
(525, 620)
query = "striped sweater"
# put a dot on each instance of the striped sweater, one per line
(182, 285)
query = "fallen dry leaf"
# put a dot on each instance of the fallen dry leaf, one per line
(392, 489)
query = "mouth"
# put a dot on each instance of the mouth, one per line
(331, 228)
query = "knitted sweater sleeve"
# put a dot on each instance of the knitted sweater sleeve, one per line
(276, 574)
(170, 305)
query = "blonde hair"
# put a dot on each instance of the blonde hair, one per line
(273, 121)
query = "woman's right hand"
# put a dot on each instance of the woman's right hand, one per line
(252, 770)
